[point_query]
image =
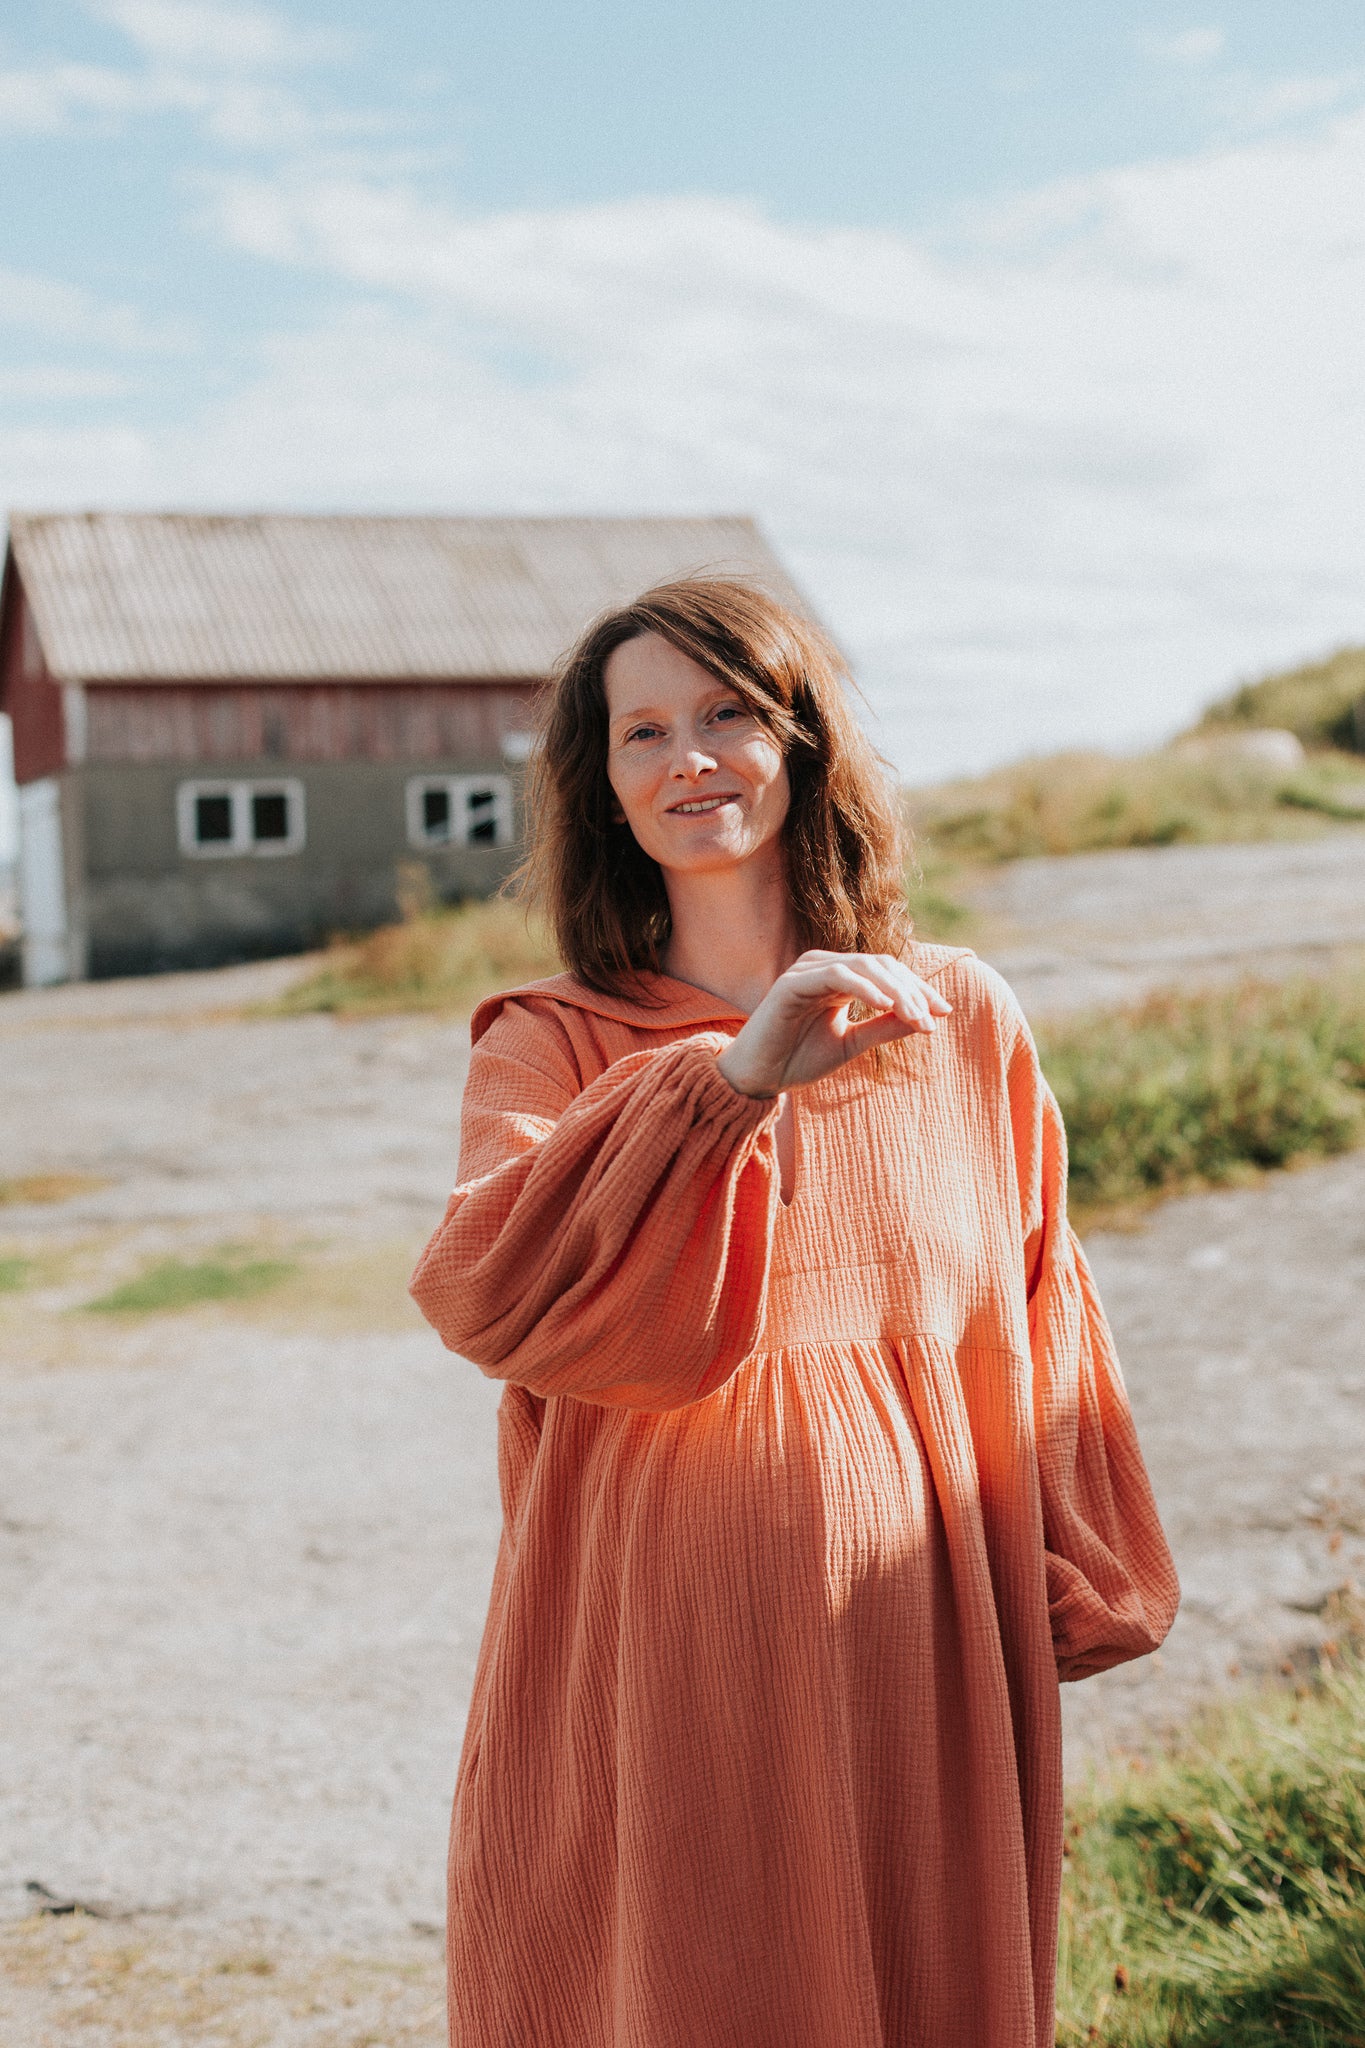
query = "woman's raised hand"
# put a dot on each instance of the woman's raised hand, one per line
(801, 1030)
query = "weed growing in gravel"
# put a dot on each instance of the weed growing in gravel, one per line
(178, 1283)
(1189, 1090)
(1219, 1897)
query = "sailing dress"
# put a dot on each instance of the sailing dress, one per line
(808, 1505)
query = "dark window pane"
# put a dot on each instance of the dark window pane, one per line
(436, 813)
(269, 815)
(212, 820)
(481, 817)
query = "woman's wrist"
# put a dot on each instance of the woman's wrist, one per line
(742, 1082)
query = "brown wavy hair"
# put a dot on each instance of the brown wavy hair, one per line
(603, 895)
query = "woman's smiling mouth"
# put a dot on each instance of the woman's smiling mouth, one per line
(695, 805)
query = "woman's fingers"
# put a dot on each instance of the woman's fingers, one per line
(878, 980)
(835, 983)
(874, 1031)
(937, 1003)
(802, 1028)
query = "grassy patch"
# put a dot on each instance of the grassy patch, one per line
(1299, 797)
(1081, 803)
(1191, 1090)
(1217, 1899)
(14, 1274)
(181, 1283)
(48, 1187)
(931, 883)
(436, 959)
(1317, 701)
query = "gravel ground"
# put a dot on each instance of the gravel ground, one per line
(1103, 928)
(245, 1548)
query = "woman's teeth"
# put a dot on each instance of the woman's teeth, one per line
(709, 803)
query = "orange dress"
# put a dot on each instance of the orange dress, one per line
(806, 1509)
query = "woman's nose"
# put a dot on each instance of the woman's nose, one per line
(691, 760)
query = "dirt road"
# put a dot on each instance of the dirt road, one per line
(245, 1546)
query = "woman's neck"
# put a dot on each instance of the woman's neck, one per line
(733, 930)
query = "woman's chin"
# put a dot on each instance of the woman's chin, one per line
(716, 858)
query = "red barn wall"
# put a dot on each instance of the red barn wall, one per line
(29, 694)
(303, 722)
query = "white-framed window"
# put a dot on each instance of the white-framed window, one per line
(263, 816)
(460, 810)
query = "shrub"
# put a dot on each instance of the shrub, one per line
(1186, 1090)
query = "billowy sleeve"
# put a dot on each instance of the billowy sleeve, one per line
(610, 1244)
(1112, 1587)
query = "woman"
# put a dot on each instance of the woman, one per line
(817, 1468)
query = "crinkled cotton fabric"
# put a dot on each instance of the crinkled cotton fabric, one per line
(807, 1508)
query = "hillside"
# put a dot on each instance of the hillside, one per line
(1323, 702)
(1216, 785)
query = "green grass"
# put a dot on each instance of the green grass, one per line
(435, 959)
(1087, 802)
(1317, 701)
(180, 1283)
(1299, 797)
(1192, 1090)
(14, 1274)
(1216, 1899)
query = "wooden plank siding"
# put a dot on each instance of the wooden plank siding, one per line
(206, 722)
(28, 692)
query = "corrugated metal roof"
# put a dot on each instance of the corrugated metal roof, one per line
(184, 597)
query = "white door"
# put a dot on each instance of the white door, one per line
(42, 884)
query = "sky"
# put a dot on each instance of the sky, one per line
(1031, 334)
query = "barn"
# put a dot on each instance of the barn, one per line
(232, 732)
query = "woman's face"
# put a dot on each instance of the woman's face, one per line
(701, 784)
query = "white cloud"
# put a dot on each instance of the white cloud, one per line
(220, 66)
(52, 383)
(1231, 102)
(1191, 46)
(1243, 105)
(65, 96)
(1106, 448)
(200, 36)
(1061, 474)
(58, 312)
